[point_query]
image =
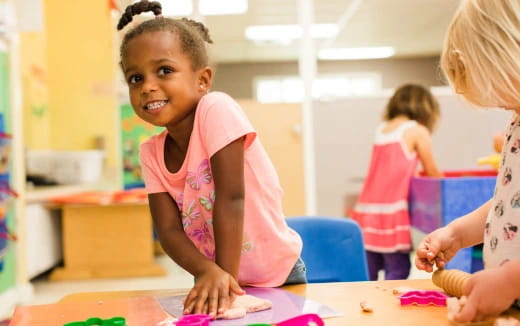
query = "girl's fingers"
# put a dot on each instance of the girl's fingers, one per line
(441, 263)
(189, 301)
(422, 252)
(223, 301)
(188, 307)
(467, 314)
(423, 264)
(235, 288)
(201, 303)
(213, 302)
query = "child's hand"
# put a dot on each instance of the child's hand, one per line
(213, 293)
(437, 248)
(489, 292)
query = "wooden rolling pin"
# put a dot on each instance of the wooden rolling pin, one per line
(451, 281)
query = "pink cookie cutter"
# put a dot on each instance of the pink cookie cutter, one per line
(302, 320)
(193, 320)
(423, 298)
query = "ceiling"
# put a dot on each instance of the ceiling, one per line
(414, 28)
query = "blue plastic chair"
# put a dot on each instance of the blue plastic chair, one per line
(332, 248)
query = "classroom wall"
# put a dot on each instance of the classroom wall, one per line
(82, 74)
(344, 131)
(36, 115)
(237, 79)
(278, 128)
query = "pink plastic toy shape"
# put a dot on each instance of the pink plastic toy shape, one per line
(302, 320)
(204, 320)
(193, 320)
(423, 298)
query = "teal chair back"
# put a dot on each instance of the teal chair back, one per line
(332, 248)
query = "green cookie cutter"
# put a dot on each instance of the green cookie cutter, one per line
(95, 321)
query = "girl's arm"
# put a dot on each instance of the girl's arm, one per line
(470, 227)
(423, 148)
(174, 241)
(213, 291)
(227, 166)
(439, 247)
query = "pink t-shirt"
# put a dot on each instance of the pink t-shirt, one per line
(270, 248)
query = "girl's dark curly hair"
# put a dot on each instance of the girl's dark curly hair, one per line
(416, 102)
(192, 35)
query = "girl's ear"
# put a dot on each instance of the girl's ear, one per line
(205, 79)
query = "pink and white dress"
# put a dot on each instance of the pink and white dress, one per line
(382, 207)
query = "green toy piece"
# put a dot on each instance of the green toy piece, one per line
(95, 321)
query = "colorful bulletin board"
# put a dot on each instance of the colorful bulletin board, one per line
(7, 237)
(134, 132)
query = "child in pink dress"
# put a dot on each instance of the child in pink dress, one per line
(214, 195)
(382, 208)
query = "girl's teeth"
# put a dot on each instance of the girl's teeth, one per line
(155, 105)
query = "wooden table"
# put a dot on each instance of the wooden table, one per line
(343, 297)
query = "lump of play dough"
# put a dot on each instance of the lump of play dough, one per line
(403, 289)
(233, 313)
(510, 321)
(244, 304)
(454, 306)
(252, 303)
(365, 306)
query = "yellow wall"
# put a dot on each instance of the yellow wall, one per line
(36, 117)
(81, 79)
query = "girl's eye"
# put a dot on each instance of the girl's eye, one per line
(134, 79)
(164, 71)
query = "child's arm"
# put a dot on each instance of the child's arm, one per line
(438, 247)
(227, 166)
(423, 148)
(179, 247)
(490, 292)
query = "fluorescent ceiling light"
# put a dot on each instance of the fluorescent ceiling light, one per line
(223, 7)
(356, 53)
(177, 7)
(287, 33)
(206, 7)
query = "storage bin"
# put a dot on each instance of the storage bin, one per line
(435, 202)
(66, 167)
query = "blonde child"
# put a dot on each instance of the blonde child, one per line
(401, 141)
(214, 194)
(481, 58)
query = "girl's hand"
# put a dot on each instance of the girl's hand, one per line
(437, 248)
(489, 292)
(213, 293)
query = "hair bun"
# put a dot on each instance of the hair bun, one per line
(136, 9)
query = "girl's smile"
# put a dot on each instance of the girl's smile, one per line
(154, 107)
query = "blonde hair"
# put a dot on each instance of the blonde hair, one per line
(481, 54)
(416, 103)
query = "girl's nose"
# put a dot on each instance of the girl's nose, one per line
(149, 85)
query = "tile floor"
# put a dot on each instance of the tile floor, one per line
(50, 292)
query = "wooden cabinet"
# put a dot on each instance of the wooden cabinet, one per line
(104, 241)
